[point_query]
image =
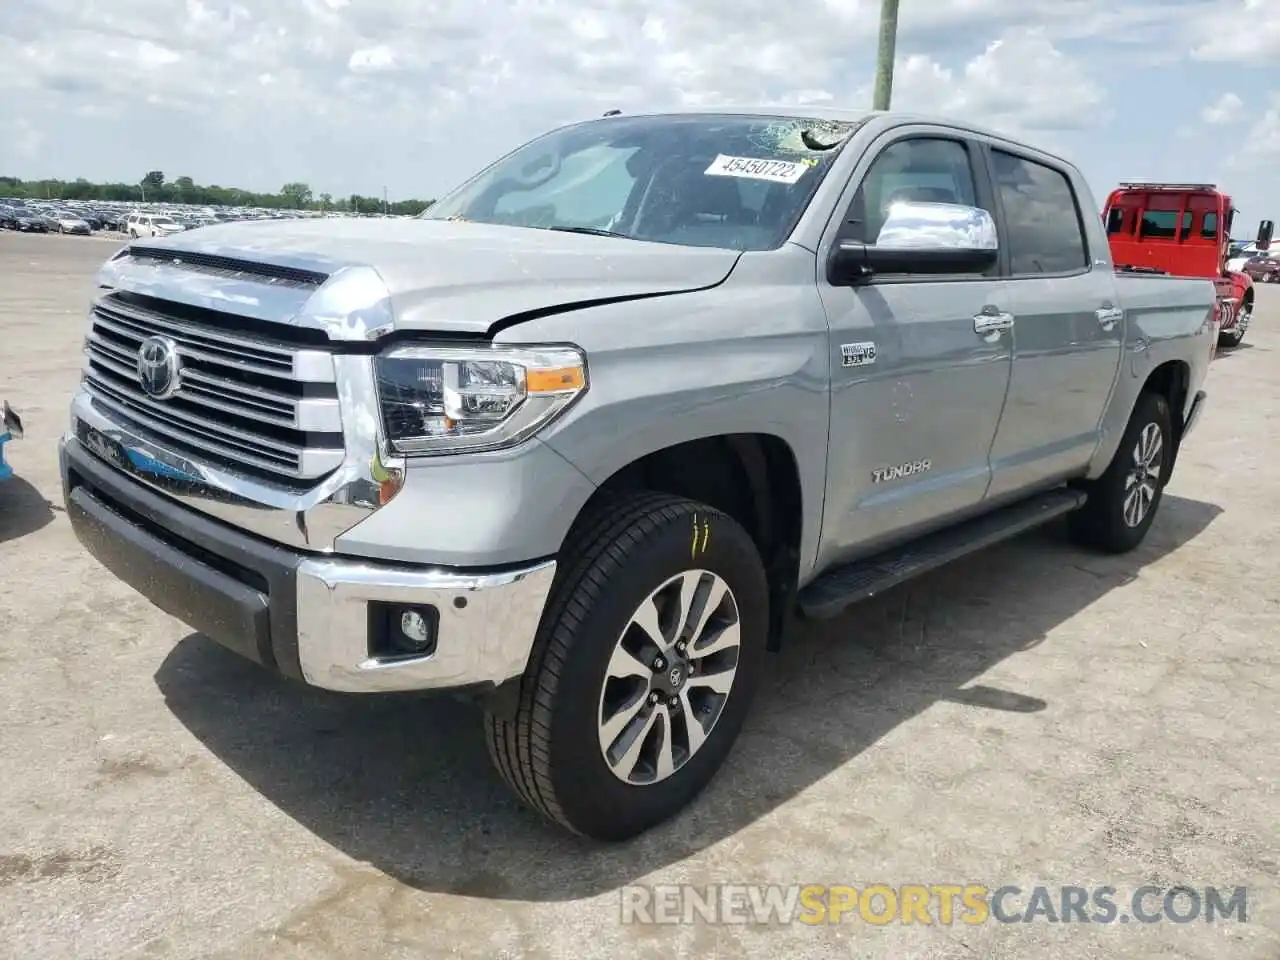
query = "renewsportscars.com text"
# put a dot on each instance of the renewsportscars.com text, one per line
(929, 904)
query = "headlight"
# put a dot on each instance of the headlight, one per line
(441, 400)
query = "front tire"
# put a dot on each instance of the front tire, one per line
(1231, 338)
(1123, 501)
(1235, 336)
(645, 664)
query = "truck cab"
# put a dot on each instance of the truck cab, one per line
(1182, 229)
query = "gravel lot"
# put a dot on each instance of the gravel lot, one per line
(1037, 715)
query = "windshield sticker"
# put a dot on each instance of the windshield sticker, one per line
(777, 171)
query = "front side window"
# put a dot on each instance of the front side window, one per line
(739, 182)
(919, 169)
(1043, 222)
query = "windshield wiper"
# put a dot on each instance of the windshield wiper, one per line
(592, 231)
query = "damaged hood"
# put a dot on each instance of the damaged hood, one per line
(354, 278)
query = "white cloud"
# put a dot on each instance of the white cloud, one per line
(1237, 31)
(261, 92)
(1227, 109)
(1021, 84)
(1260, 146)
(372, 59)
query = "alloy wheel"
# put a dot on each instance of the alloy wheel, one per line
(669, 677)
(1143, 479)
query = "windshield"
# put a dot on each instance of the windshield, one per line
(163, 222)
(739, 182)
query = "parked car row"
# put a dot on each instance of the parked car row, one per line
(31, 217)
(134, 219)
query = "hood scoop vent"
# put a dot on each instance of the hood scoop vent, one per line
(229, 267)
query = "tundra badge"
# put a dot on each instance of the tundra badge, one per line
(881, 474)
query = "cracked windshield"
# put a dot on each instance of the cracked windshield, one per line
(711, 181)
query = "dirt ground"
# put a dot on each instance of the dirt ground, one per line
(1033, 716)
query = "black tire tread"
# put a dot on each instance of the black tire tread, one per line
(1095, 524)
(518, 747)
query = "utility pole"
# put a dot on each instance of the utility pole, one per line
(885, 56)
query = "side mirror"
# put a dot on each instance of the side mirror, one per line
(1265, 229)
(920, 238)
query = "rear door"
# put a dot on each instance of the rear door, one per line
(1068, 331)
(917, 382)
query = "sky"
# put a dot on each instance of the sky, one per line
(412, 96)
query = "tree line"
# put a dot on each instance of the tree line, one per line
(154, 187)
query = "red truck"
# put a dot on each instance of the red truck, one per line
(1183, 229)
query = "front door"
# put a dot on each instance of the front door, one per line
(1068, 333)
(917, 384)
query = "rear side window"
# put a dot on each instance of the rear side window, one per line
(1209, 226)
(1042, 219)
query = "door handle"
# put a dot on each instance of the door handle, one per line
(1108, 317)
(992, 322)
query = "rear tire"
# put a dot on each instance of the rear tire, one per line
(592, 663)
(1123, 501)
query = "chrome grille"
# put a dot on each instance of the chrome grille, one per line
(246, 403)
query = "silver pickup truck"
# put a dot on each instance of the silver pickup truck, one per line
(581, 439)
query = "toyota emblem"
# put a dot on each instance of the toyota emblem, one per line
(675, 675)
(158, 367)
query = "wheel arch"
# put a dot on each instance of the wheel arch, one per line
(1172, 380)
(752, 477)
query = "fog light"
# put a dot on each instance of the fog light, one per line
(402, 630)
(415, 629)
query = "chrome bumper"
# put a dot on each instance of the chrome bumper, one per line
(306, 616)
(486, 627)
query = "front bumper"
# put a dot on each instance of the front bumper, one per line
(306, 616)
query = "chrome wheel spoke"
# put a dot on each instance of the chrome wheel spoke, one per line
(666, 763)
(695, 732)
(727, 638)
(720, 681)
(711, 597)
(626, 764)
(613, 727)
(624, 664)
(646, 618)
(1157, 446)
(1131, 508)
